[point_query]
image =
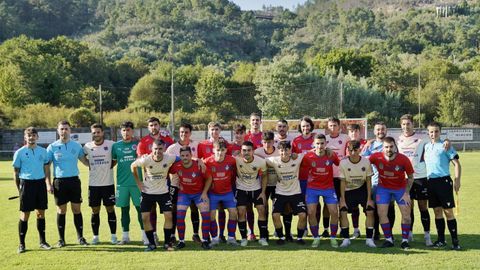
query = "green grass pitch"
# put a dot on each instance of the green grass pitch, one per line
(290, 256)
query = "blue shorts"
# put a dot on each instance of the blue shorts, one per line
(385, 195)
(186, 199)
(227, 199)
(303, 186)
(313, 195)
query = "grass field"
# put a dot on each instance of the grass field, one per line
(290, 256)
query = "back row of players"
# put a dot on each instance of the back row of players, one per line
(212, 175)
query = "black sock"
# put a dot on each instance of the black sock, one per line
(300, 233)
(369, 233)
(61, 226)
(287, 221)
(41, 229)
(279, 232)
(452, 228)
(95, 223)
(151, 240)
(412, 218)
(195, 217)
(345, 233)
(78, 221)
(167, 233)
(425, 217)
(112, 222)
(326, 223)
(22, 230)
(262, 226)
(242, 227)
(391, 215)
(440, 223)
(376, 224)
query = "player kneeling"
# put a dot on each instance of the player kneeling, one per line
(221, 171)
(355, 189)
(288, 191)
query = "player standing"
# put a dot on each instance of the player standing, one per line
(30, 164)
(302, 144)
(235, 147)
(254, 135)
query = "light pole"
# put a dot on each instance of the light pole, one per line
(100, 103)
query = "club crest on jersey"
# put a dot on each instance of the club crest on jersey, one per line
(105, 148)
(194, 174)
(328, 163)
(193, 149)
(227, 168)
(254, 168)
(363, 169)
(134, 147)
(380, 166)
(397, 168)
(165, 165)
(293, 165)
(180, 173)
(300, 145)
(241, 166)
(151, 167)
(349, 169)
(207, 150)
(340, 142)
(214, 169)
(314, 164)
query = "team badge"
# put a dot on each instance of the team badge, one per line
(207, 150)
(214, 169)
(26, 154)
(328, 163)
(380, 166)
(134, 147)
(300, 145)
(314, 164)
(151, 167)
(293, 165)
(194, 174)
(165, 165)
(254, 168)
(363, 169)
(105, 148)
(241, 166)
(349, 169)
(179, 173)
(340, 142)
(416, 140)
(193, 149)
(397, 168)
(227, 168)
(279, 166)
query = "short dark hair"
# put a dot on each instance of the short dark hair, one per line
(185, 149)
(63, 122)
(96, 125)
(353, 127)
(127, 124)
(221, 143)
(389, 139)
(30, 130)
(434, 124)
(268, 135)
(282, 120)
(284, 145)
(159, 142)
(320, 136)
(355, 144)
(153, 119)
(247, 143)
(255, 114)
(308, 120)
(187, 125)
(333, 119)
(380, 123)
(239, 127)
(407, 116)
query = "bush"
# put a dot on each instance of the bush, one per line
(81, 117)
(39, 115)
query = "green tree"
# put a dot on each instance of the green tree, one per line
(211, 93)
(81, 117)
(357, 63)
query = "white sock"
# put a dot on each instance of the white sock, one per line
(125, 235)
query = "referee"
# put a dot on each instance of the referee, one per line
(30, 164)
(64, 153)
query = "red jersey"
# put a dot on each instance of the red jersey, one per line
(234, 149)
(223, 174)
(302, 145)
(205, 149)
(255, 138)
(391, 174)
(191, 180)
(320, 170)
(145, 144)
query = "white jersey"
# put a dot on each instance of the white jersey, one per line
(272, 175)
(100, 161)
(174, 149)
(155, 173)
(355, 174)
(277, 139)
(248, 174)
(287, 172)
(339, 146)
(412, 147)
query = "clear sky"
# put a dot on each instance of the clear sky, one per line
(257, 4)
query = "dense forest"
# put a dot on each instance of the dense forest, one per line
(370, 58)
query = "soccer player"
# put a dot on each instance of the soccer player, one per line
(440, 184)
(269, 150)
(411, 144)
(392, 168)
(371, 147)
(355, 189)
(145, 148)
(254, 135)
(282, 132)
(288, 191)
(221, 170)
(30, 165)
(302, 144)
(154, 187)
(235, 147)
(185, 134)
(319, 166)
(251, 190)
(64, 154)
(100, 181)
(337, 142)
(193, 187)
(124, 153)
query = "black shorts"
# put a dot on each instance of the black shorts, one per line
(440, 191)
(336, 185)
(270, 192)
(296, 202)
(103, 193)
(419, 190)
(149, 200)
(245, 198)
(33, 195)
(66, 190)
(355, 197)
